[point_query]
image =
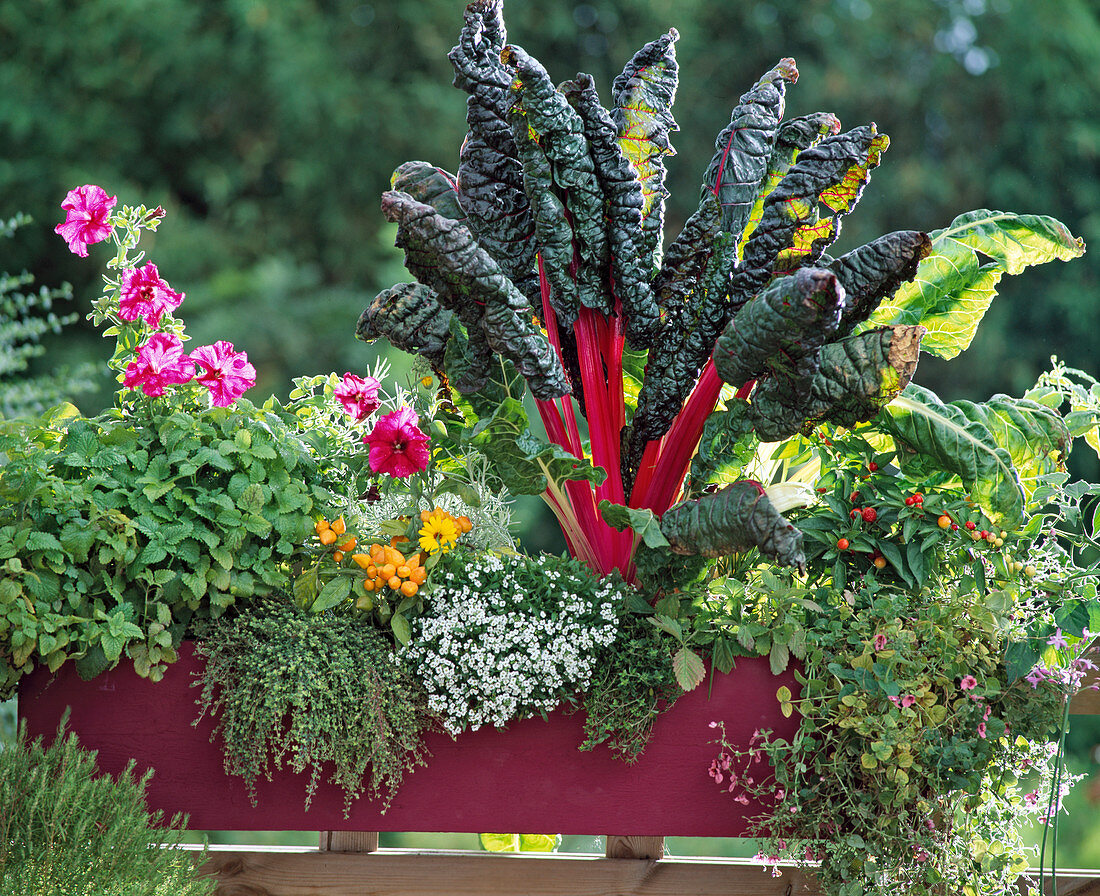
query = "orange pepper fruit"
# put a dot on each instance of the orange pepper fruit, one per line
(388, 571)
(338, 526)
(327, 536)
(320, 525)
(368, 585)
(394, 582)
(360, 560)
(348, 545)
(403, 571)
(372, 570)
(408, 588)
(337, 556)
(417, 575)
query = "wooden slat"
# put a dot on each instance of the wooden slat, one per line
(635, 847)
(396, 872)
(349, 841)
(1087, 701)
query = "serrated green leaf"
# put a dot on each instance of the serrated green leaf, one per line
(688, 668)
(643, 521)
(954, 287)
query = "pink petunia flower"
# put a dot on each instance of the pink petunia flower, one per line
(968, 683)
(87, 209)
(397, 446)
(146, 295)
(358, 395)
(160, 362)
(224, 371)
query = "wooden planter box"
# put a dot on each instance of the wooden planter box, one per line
(530, 777)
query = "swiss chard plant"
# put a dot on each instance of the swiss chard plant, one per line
(656, 371)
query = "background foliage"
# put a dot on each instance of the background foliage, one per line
(269, 130)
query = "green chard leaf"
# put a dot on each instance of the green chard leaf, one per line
(953, 288)
(623, 207)
(561, 136)
(444, 255)
(643, 521)
(642, 98)
(794, 135)
(781, 331)
(743, 150)
(958, 437)
(490, 178)
(410, 317)
(686, 340)
(792, 231)
(687, 257)
(430, 185)
(731, 520)
(725, 447)
(874, 272)
(552, 230)
(857, 377)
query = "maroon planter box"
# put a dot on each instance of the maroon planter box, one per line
(530, 777)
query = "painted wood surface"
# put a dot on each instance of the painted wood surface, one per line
(530, 777)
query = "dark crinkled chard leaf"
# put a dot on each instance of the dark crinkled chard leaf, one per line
(431, 185)
(792, 230)
(779, 329)
(731, 520)
(552, 230)
(794, 136)
(953, 286)
(726, 447)
(687, 257)
(742, 151)
(683, 346)
(444, 255)
(874, 272)
(560, 134)
(623, 207)
(410, 317)
(490, 180)
(642, 98)
(857, 376)
(467, 358)
(957, 437)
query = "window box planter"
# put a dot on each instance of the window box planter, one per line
(529, 777)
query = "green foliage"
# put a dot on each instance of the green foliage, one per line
(305, 689)
(67, 830)
(115, 536)
(632, 684)
(25, 317)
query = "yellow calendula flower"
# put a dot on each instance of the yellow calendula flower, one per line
(439, 533)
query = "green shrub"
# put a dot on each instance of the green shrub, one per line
(66, 830)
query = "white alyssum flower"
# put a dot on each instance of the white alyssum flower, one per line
(510, 637)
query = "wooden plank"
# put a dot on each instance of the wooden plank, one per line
(410, 873)
(1087, 701)
(258, 871)
(634, 847)
(349, 841)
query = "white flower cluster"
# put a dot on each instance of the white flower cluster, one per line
(491, 647)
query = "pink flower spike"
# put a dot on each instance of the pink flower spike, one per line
(358, 395)
(87, 209)
(160, 363)
(146, 295)
(224, 371)
(397, 446)
(968, 683)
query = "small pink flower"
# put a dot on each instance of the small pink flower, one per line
(907, 701)
(1036, 676)
(397, 446)
(225, 372)
(921, 855)
(160, 362)
(968, 683)
(1057, 640)
(1032, 799)
(359, 396)
(87, 209)
(981, 729)
(880, 641)
(146, 295)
